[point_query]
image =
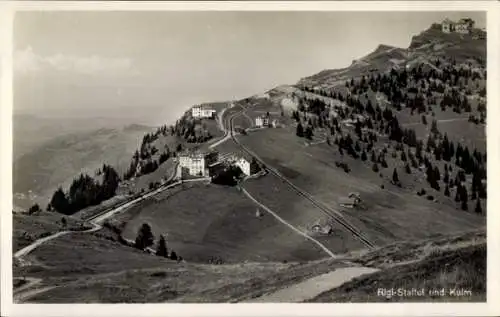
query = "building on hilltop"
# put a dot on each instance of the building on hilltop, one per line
(262, 121)
(197, 163)
(447, 26)
(463, 26)
(202, 112)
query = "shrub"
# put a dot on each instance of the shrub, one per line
(33, 209)
(173, 256)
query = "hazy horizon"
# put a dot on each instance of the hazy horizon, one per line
(149, 67)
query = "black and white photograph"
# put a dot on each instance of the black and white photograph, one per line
(205, 156)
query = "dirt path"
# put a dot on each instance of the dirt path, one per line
(305, 235)
(24, 251)
(313, 287)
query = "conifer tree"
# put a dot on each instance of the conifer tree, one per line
(447, 191)
(300, 130)
(395, 177)
(364, 156)
(161, 249)
(144, 237)
(478, 209)
(407, 168)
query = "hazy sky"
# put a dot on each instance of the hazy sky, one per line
(151, 66)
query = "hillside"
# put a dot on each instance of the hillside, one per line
(57, 161)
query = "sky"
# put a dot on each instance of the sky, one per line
(149, 67)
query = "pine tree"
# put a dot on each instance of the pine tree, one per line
(434, 128)
(161, 249)
(395, 177)
(407, 168)
(464, 195)
(300, 130)
(437, 175)
(430, 174)
(375, 167)
(478, 209)
(309, 133)
(464, 205)
(144, 237)
(364, 156)
(60, 202)
(457, 194)
(447, 191)
(403, 156)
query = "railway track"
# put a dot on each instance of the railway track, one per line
(333, 214)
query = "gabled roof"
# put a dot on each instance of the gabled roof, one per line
(447, 21)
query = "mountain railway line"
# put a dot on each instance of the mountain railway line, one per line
(333, 214)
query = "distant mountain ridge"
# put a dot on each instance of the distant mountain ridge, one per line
(429, 44)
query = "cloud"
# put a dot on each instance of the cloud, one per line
(26, 61)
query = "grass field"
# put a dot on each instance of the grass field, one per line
(28, 228)
(205, 221)
(392, 213)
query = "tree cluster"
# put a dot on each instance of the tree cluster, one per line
(85, 191)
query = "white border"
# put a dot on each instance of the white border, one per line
(409, 309)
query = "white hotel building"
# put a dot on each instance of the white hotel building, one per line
(196, 164)
(202, 112)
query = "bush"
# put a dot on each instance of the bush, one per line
(173, 256)
(33, 209)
